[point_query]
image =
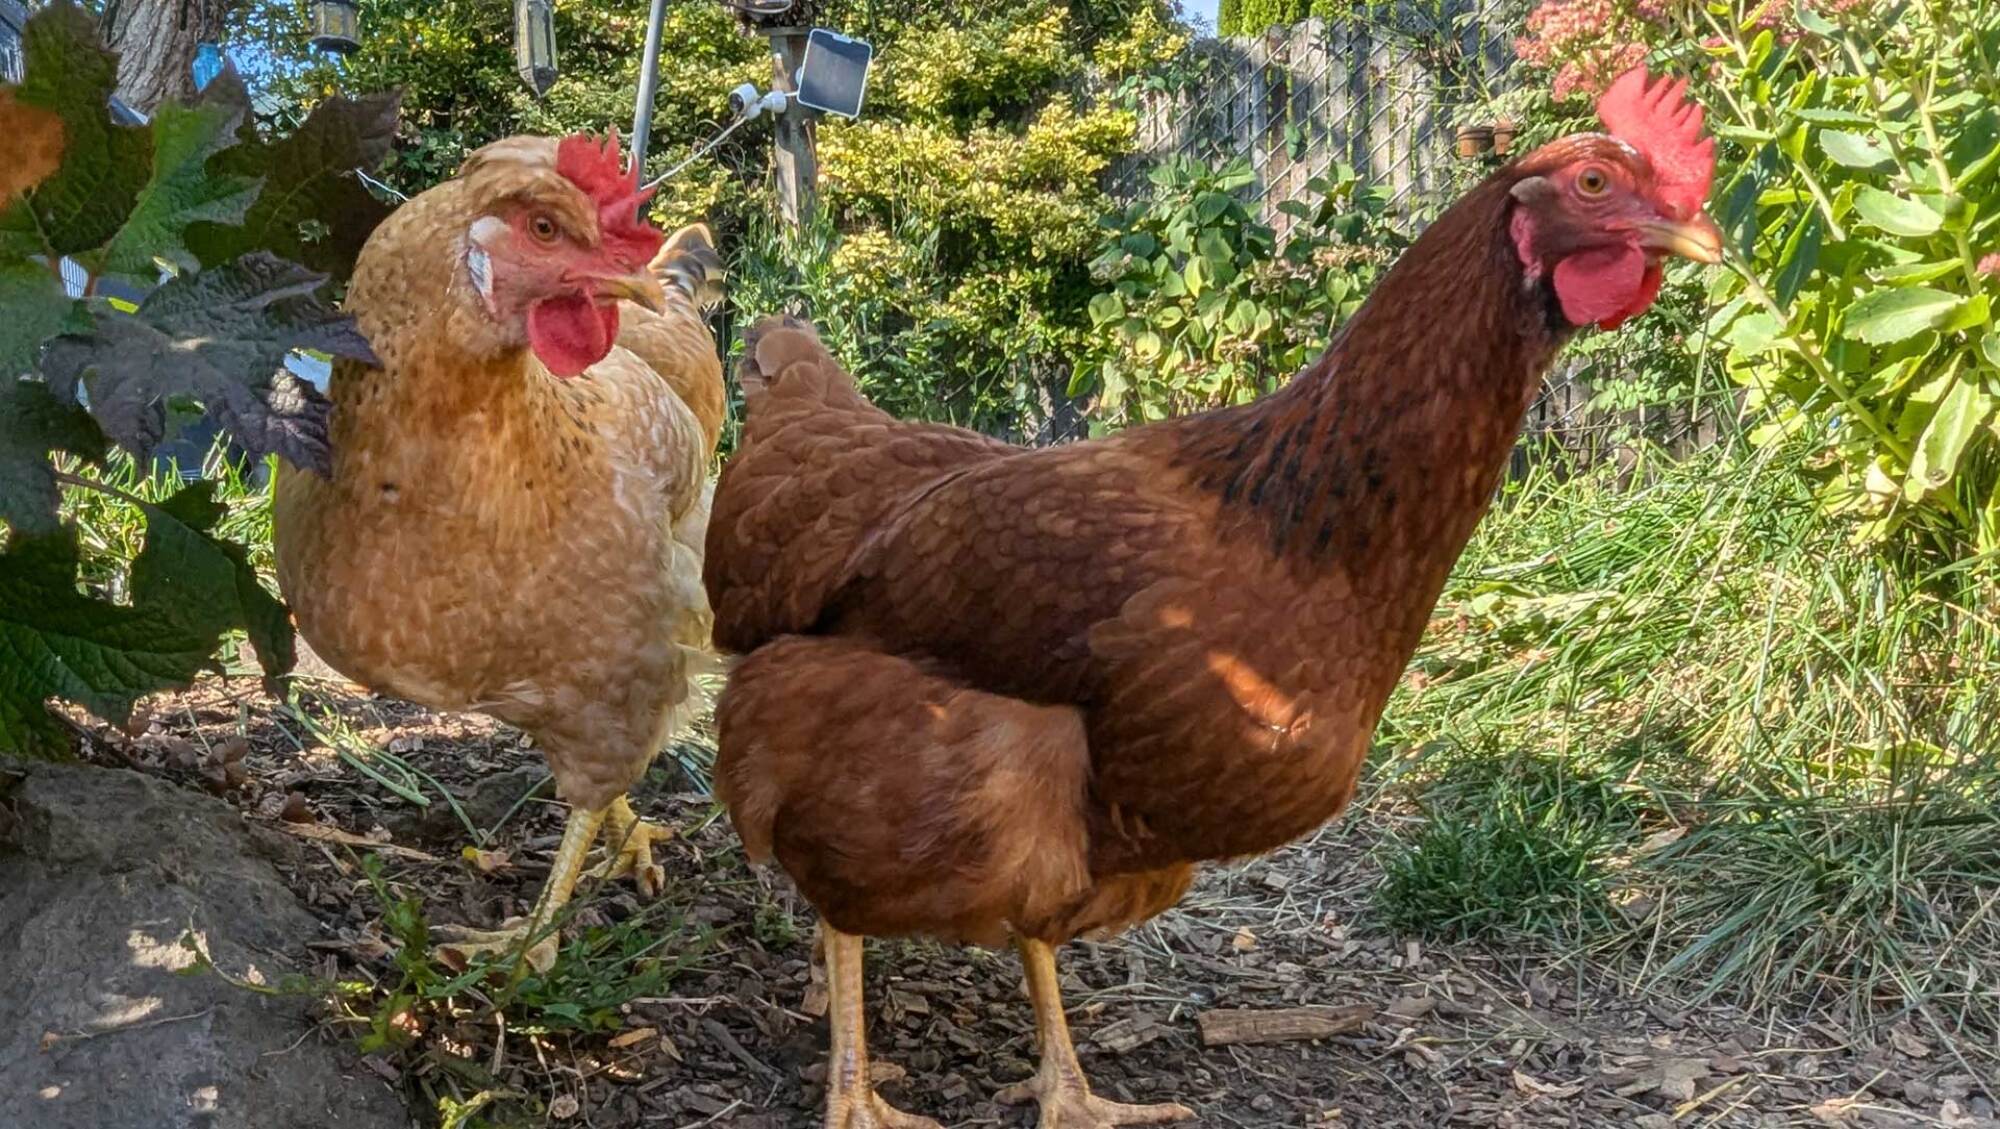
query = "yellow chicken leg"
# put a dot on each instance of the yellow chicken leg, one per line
(1059, 1085)
(537, 931)
(851, 1101)
(628, 844)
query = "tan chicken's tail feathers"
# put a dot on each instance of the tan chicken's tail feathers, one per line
(690, 261)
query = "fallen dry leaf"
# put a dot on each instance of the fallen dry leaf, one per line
(1244, 941)
(564, 1107)
(487, 862)
(635, 1035)
(1535, 1087)
(1907, 1042)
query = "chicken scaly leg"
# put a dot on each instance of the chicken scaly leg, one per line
(851, 1101)
(537, 931)
(1059, 1086)
(628, 844)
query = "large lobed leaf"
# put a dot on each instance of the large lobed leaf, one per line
(219, 337)
(313, 209)
(188, 589)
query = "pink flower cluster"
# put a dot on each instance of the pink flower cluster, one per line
(1781, 16)
(1588, 43)
(1989, 264)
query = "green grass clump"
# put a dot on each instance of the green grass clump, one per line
(1810, 724)
(1521, 846)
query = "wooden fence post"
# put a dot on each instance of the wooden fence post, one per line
(793, 159)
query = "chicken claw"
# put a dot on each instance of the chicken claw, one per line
(1067, 1103)
(864, 1109)
(851, 1100)
(461, 944)
(628, 842)
(514, 933)
(1059, 1085)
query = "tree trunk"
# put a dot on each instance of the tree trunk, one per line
(155, 41)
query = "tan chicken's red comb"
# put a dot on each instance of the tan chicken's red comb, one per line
(1659, 120)
(596, 167)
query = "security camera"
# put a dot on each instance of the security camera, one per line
(745, 101)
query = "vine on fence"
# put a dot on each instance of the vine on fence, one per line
(249, 231)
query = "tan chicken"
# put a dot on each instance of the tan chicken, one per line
(994, 691)
(520, 491)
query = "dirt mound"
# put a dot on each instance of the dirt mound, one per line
(109, 883)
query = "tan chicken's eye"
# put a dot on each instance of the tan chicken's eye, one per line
(543, 228)
(1593, 182)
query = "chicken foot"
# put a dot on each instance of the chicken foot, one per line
(1059, 1086)
(537, 932)
(851, 1101)
(628, 844)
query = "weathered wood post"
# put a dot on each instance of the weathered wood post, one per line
(793, 161)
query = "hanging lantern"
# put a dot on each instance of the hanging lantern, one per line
(336, 26)
(207, 65)
(535, 44)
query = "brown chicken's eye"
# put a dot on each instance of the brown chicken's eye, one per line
(1592, 181)
(543, 228)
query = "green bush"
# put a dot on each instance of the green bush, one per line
(1202, 309)
(1862, 200)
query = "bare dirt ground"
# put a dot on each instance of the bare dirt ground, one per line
(1440, 1035)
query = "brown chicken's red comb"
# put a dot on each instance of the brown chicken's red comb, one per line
(595, 166)
(1659, 120)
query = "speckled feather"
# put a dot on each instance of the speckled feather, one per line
(493, 538)
(976, 671)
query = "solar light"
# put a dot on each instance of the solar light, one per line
(535, 44)
(336, 26)
(834, 75)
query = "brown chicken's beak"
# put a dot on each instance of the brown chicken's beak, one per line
(641, 288)
(1698, 238)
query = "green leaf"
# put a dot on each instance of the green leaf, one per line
(1958, 418)
(1800, 256)
(1105, 309)
(1195, 275)
(1914, 272)
(181, 190)
(1895, 215)
(1822, 116)
(35, 306)
(1989, 347)
(211, 582)
(217, 337)
(104, 165)
(1148, 346)
(1855, 150)
(1209, 206)
(33, 423)
(1883, 317)
(313, 209)
(61, 643)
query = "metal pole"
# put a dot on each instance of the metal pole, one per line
(649, 81)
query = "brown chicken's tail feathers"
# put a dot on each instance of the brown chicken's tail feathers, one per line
(690, 261)
(779, 344)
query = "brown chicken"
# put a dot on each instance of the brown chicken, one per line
(515, 517)
(995, 691)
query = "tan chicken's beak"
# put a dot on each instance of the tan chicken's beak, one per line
(641, 288)
(1698, 238)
